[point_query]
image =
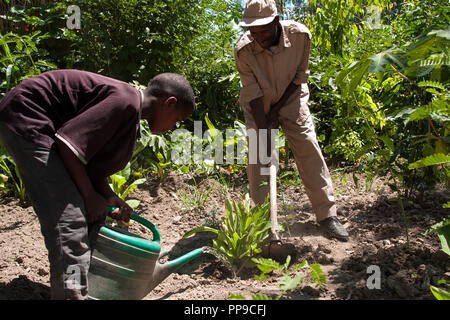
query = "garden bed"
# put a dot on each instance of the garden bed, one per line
(375, 224)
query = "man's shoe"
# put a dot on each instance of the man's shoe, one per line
(333, 228)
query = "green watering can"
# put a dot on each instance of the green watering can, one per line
(125, 266)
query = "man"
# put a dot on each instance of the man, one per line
(272, 59)
(68, 131)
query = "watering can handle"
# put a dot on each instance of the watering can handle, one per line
(144, 222)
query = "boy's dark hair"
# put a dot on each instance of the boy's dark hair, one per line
(168, 84)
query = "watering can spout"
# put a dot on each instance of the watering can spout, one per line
(163, 270)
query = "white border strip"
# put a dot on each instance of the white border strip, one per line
(79, 156)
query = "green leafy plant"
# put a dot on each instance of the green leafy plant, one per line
(413, 142)
(443, 230)
(119, 180)
(244, 231)
(19, 58)
(3, 180)
(440, 294)
(11, 176)
(415, 148)
(292, 279)
(334, 22)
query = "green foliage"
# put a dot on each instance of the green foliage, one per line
(119, 180)
(434, 159)
(20, 58)
(443, 230)
(334, 23)
(416, 134)
(3, 180)
(35, 42)
(291, 278)
(382, 101)
(152, 45)
(244, 231)
(267, 266)
(440, 294)
(191, 152)
(10, 177)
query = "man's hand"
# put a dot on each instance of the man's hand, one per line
(257, 107)
(272, 117)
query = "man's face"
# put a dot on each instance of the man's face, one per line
(167, 116)
(266, 35)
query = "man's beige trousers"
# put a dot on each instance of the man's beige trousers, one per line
(297, 124)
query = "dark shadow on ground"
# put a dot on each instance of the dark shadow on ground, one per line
(22, 288)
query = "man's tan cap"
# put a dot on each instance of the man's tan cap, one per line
(259, 13)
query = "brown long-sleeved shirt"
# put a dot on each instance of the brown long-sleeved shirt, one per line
(267, 73)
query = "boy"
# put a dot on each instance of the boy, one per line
(68, 131)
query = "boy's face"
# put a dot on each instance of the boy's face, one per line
(167, 115)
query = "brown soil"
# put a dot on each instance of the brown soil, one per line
(374, 222)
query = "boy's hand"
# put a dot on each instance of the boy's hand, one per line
(122, 212)
(96, 207)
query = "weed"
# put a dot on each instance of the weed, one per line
(291, 279)
(195, 199)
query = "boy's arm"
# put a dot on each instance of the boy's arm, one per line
(102, 187)
(124, 211)
(95, 204)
